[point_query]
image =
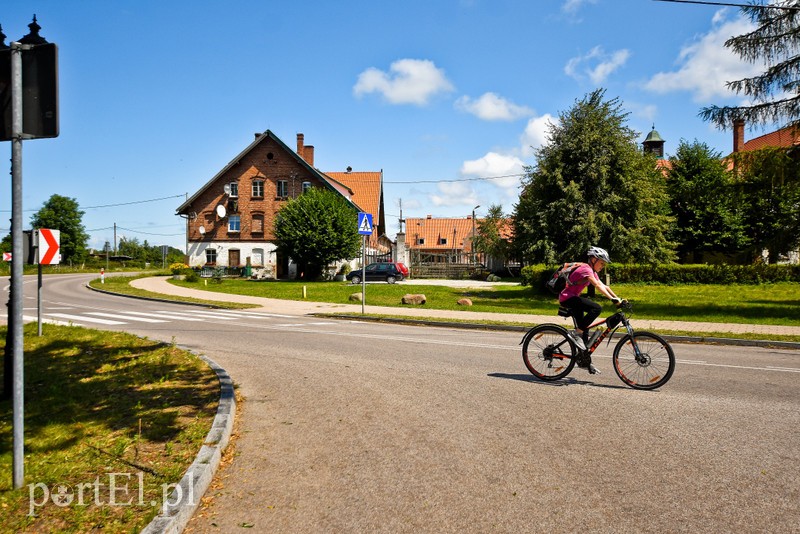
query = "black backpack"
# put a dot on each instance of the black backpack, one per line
(560, 278)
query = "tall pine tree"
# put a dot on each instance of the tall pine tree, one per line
(775, 93)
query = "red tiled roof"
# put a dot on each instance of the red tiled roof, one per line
(785, 137)
(455, 232)
(365, 186)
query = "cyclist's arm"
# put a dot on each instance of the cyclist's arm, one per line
(604, 289)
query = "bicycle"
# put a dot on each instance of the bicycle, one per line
(643, 360)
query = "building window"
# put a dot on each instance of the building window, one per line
(234, 190)
(257, 224)
(420, 241)
(306, 186)
(234, 223)
(283, 188)
(442, 240)
(211, 255)
(258, 188)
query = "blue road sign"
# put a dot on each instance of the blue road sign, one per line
(365, 223)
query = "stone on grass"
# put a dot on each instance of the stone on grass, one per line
(464, 302)
(355, 297)
(411, 298)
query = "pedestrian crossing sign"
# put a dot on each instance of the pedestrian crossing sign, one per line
(365, 223)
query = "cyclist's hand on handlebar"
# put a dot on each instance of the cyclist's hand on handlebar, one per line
(620, 303)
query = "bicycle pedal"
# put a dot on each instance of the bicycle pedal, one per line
(593, 370)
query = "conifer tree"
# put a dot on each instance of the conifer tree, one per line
(775, 93)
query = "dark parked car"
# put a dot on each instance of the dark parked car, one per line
(377, 272)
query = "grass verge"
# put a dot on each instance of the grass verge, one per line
(122, 285)
(111, 420)
(768, 304)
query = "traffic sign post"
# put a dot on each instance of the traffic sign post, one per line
(364, 228)
(47, 244)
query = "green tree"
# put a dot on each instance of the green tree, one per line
(775, 42)
(591, 185)
(315, 229)
(490, 238)
(704, 202)
(63, 213)
(770, 193)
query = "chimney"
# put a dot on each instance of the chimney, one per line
(309, 154)
(738, 135)
(429, 217)
(305, 152)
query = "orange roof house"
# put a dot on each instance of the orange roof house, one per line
(365, 189)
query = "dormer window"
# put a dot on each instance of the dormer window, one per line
(442, 240)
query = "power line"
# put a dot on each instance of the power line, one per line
(146, 233)
(129, 203)
(730, 4)
(455, 180)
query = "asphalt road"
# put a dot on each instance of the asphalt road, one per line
(363, 427)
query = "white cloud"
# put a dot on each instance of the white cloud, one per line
(572, 6)
(454, 194)
(409, 81)
(603, 64)
(491, 107)
(706, 65)
(535, 134)
(495, 165)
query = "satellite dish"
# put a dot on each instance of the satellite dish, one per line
(221, 211)
(227, 189)
(202, 230)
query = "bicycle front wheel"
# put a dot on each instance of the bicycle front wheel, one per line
(548, 353)
(653, 366)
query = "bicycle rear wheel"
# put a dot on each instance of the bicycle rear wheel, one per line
(548, 353)
(654, 366)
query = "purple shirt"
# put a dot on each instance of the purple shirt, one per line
(574, 289)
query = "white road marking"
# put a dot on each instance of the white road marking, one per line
(127, 317)
(83, 318)
(165, 315)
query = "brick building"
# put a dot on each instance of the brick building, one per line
(230, 219)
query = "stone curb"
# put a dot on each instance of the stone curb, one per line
(515, 328)
(153, 299)
(185, 498)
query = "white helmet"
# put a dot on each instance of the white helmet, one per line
(599, 253)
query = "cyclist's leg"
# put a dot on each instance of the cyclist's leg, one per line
(585, 311)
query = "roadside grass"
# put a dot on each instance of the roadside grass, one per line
(766, 304)
(111, 420)
(121, 284)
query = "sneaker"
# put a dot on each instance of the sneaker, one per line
(593, 337)
(576, 338)
(593, 370)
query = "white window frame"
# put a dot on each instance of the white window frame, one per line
(258, 188)
(231, 220)
(211, 256)
(234, 190)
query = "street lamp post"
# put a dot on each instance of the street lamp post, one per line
(472, 241)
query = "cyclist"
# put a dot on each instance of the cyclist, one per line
(584, 309)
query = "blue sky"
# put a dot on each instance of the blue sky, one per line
(157, 96)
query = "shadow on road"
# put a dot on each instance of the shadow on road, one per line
(568, 381)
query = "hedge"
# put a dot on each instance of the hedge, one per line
(673, 274)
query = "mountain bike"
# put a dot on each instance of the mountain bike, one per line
(643, 360)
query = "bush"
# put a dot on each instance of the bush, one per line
(674, 274)
(178, 268)
(192, 276)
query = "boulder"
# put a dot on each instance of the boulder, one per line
(410, 298)
(464, 302)
(355, 297)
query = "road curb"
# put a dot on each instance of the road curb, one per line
(515, 328)
(185, 498)
(154, 299)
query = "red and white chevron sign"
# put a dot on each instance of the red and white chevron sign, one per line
(49, 246)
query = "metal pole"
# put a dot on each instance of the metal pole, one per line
(363, 272)
(17, 260)
(39, 297)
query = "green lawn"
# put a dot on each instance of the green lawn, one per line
(98, 403)
(772, 304)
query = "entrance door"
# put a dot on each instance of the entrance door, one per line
(233, 258)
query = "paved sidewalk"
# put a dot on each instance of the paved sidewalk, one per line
(296, 307)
